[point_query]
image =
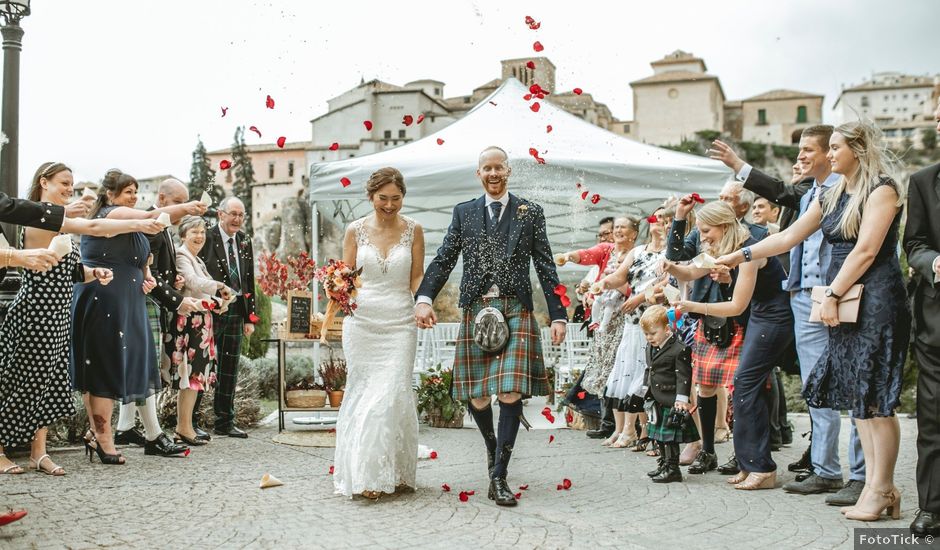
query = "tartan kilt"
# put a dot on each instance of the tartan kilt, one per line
(658, 431)
(156, 329)
(714, 366)
(519, 367)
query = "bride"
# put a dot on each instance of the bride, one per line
(377, 428)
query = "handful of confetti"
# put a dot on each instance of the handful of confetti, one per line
(88, 193)
(704, 261)
(164, 219)
(206, 199)
(341, 284)
(561, 259)
(61, 245)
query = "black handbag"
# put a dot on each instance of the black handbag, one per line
(717, 330)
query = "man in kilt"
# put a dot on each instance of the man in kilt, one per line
(163, 300)
(499, 235)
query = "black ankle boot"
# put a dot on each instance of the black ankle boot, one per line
(670, 472)
(660, 461)
(500, 492)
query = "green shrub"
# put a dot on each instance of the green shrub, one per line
(253, 347)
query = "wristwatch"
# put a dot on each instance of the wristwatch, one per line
(831, 294)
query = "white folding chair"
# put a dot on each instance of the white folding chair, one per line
(445, 344)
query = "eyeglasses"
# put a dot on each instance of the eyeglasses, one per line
(603, 234)
(236, 215)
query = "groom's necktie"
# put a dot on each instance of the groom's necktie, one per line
(495, 208)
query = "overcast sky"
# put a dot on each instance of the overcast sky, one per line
(131, 84)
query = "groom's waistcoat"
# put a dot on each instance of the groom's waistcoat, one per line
(495, 258)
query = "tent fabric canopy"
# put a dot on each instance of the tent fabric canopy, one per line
(629, 177)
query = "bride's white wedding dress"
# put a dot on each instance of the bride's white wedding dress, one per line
(377, 428)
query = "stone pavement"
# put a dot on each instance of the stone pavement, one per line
(211, 500)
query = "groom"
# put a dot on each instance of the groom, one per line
(499, 235)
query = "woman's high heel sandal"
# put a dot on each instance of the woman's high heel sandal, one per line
(372, 495)
(737, 478)
(845, 509)
(104, 457)
(625, 440)
(610, 440)
(892, 507)
(756, 481)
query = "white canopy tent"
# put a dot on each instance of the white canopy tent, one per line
(629, 177)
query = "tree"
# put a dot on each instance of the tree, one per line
(202, 176)
(244, 175)
(929, 139)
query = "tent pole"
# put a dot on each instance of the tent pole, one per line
(315, 245)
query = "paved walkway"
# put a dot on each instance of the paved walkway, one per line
(211, 499)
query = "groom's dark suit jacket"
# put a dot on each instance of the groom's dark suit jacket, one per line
(922, 244)
(522, 229)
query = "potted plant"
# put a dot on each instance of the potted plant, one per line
(333, 374)
(434, 400)
(306, 393)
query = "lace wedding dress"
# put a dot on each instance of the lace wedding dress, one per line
(377, 428)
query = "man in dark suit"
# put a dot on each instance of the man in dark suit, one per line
(809, 262)
(162, 302)
(499, 235)
(230, 259)
(922, 245)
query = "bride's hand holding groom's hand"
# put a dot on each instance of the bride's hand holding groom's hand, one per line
(425, 316)
(559, 330)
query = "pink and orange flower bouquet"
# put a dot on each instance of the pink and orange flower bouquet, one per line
(341, 284)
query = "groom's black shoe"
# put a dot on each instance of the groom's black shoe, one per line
(132, 436)
(926, 523)
(500, 492)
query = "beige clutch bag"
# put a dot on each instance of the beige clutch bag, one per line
(848, 304)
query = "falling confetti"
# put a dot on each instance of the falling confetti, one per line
(407, 120)
(538, 46)
(224, 111)
(224, 164)
(255, 130)
(493, 103)
(281, 141)
(578, 91)
(368, 124)
(334, 146)
(345, 182)
(269, 102)
(440, 141)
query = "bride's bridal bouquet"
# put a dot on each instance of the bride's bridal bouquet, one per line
(340, 283)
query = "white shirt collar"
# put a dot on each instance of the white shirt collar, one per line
(504, 200)
(225, 236)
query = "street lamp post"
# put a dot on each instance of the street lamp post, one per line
(12, 11)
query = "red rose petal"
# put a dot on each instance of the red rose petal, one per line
(186, 452)
(527, 97)
(269, 102)
(652, 219)
(566, 301)
(569, 418)
(331, 431)
(368, 124)
(595, 198)
(523, 487)
(224, 164)
(560, 290)
(566, 483)
(578, 185)
(345, 182)
(463, 496)
(697, 198)
(581, 394)
(531, 65)
(471, 493)
(433, 455)
(440, 141)
(578, 91)
(559, 487)
(529, 20)
(224, 111)
(247, 295)
(551, 418)
(281, 141)
(548, 129)
(546, 411)
(535, 107)
(533, 151)
(331, 469)
(518, 496)
(550, 439)
(540, 95)
(255, 130)
(407, 120)
(334, 146)
(536, 26)
(420, 119)
(538, 46)
(584, 195)
(253, 318)
(535, 88)
(445, 487)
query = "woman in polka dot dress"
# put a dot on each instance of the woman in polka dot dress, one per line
(35, 389)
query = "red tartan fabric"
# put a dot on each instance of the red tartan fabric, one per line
(714, 366)
(518, 368)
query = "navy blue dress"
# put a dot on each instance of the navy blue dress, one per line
(769, 332)
(113, 352)
(863, 363)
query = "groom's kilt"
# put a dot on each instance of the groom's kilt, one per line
(519, 367)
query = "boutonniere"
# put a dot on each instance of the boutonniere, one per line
(522, 210)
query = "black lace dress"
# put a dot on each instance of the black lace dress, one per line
(863, 364)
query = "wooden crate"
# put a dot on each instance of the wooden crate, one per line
(333, 332)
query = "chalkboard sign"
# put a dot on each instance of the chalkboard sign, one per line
(299, 308)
